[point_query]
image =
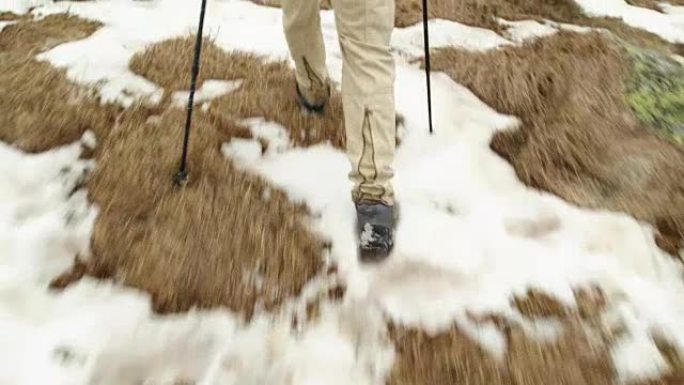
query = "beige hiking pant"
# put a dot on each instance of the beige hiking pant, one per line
(364, 28)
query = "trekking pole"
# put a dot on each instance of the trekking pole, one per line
(426, 38)
(181, 176)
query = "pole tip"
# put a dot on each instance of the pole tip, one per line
(180, 179)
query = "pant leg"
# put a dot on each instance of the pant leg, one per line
(302, 25)
(365, 28)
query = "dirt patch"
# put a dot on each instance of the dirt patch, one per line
(267, 90)
(40, 109)
(579, 139)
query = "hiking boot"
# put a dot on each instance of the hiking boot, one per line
(375, 226)
(314, 99)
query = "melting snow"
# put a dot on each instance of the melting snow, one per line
(4, 24)
(21, 6)
(210, 90)
(470, 236)
(521, 31)
(445, 33)
(669, 25)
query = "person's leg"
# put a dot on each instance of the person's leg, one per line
(302, 24)
(365, 28)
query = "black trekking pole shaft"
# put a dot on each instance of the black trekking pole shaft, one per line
(182, 175)
(426, 38)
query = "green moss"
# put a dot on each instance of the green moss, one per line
(655, 92)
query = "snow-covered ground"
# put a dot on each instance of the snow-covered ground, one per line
(668, 24)
(471, 234)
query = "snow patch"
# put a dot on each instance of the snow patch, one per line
(669, 26)
(528, 30)
(210, 90)
(246, 151)
(525, 30)
(4, 24)
(367, 236)
(445, 33)
(638, 359)
(679, 59)
(571, 27)
(129, 26)
(242, 150)
(97, 332)
(274, 134)
(89, 140)
(20, 7)
(43, 225)
(471, 235)
(110, 76)
(671, 9)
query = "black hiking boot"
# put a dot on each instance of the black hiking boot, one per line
(375, 226)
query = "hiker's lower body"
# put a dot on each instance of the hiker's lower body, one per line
(364, 28)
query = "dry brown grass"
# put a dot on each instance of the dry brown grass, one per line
(675, 376)
(267, 89)
(634, 36)
(325, 4)
(580, 356)
(446, 359)
(40, 108)
(270, 93)
(8, 16)
(483, 13)
(590, 305)
(579, 140)
(650, 4)
(216, 242)
(205, 245)
(30, 38)
(576, 358)
(168, 63)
